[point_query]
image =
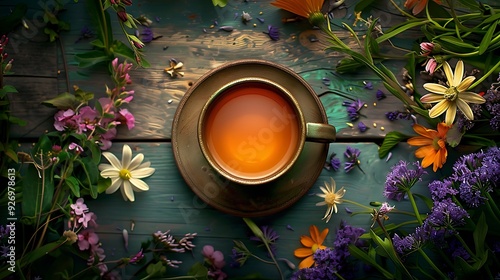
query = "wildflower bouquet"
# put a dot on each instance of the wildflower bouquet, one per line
(444, 33)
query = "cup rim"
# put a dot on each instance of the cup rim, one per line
(262, 179)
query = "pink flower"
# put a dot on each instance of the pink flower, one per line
(87, 118)
(431, 65)
(128, 117)
(426, 48)
(86, 239)
(138, 257)
(64, 119)
(73, 146)
(215, 258)
(79, 207)
(107, 137)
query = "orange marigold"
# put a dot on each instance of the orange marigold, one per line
(312, 243)
(432, 145)
(310, 9)
(418, 5)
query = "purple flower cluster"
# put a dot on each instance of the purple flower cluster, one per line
(353, 108)
(395, 115)
(352, 158)
(401, 179)
(331, 262)
(477, 174)
(270, 235)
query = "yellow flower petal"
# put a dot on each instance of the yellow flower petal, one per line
(451, 113)
(448, 73)
(465, 108)
(465, 84)
(431, 98)
(459, 74)
(435, 88)
(439, 108)
(472, 97)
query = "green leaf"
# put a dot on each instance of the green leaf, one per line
(91, 173)
(72, 183)
(39, 192)
(348, 65)
(11, 154)
(471, 4)
(98, 108)
(485, 42)
(94, 150)
(363, 256)
(391, 139)
(387, 248)
(18, 121)
(399, 29)
(103, 184)
(480, 233)
(220, 3)
(97, 43)
(83, 96)
(453, 42)
(198, 271)
(428, 202)
(91, 58)
(363, 4)
(155, 270)
(8, 89)
(122, 50)
(63, 101)
(254, 228)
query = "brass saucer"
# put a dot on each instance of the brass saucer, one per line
(227, 196)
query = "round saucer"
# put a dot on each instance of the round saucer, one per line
(225, 195)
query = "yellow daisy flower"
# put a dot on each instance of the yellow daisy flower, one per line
(453, 96)
(331, 197)
(127, 173)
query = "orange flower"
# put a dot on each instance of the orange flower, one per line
(312, 243)
(310, 9)
(433, 145)
(418, 5)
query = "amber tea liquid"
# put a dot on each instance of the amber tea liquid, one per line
(252, 130)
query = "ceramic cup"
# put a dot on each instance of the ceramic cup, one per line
(252, 130)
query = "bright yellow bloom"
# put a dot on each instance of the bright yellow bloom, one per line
(127, 173)
(432, 145)
(453, 96)
(418, 5)
(312, 243)
(310, 9)
(331, 197)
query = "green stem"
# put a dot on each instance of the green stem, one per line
(414, 206)
(261, 259)
(274, 259)
(359, 204)
(492, 69)
(464, 244)
(104, 29)
(492, 204)
(431, 263)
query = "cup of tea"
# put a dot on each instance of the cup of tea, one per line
(252, 130)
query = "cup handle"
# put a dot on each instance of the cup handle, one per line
(320, 132)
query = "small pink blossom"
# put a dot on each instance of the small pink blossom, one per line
(128, 117)
(73, 146)
(431, 65)
(79, 207)
(88, 118)
(86, 239)
(426, 48)
(215, 258)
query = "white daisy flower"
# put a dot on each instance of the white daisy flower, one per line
(331, 197)
(126, 174)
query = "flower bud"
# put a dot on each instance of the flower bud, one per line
(122, 15)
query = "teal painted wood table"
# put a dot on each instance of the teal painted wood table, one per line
(190, 32)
